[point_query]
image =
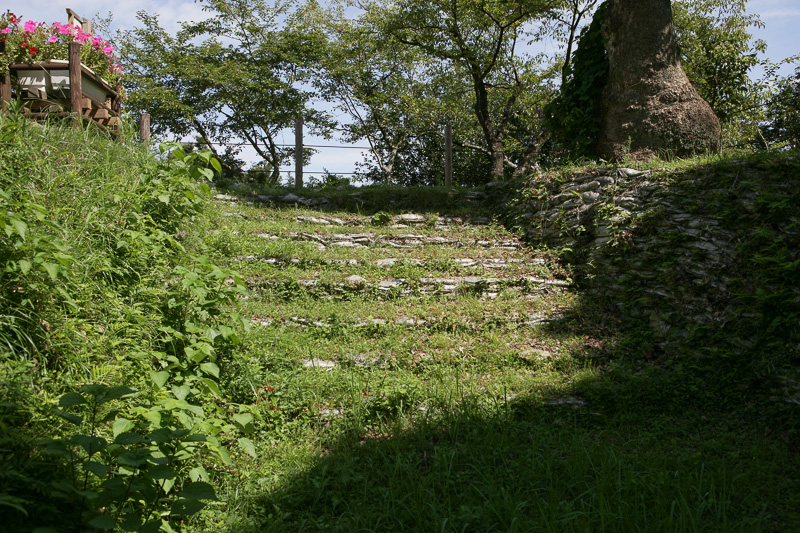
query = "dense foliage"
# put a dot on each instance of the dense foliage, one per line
(783, 112)
(232, 80)
(115, 331)
(574, 114)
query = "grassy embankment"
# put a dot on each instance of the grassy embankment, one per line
(457, 384)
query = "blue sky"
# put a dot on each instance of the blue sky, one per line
(781, 19)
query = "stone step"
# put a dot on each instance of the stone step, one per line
(403, 241)
(431, 324)
(422, 286)
(494, 263)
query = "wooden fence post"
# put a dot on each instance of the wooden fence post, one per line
(144, 128)
(448, 155)
(5, 84)
(75, 88)
(298, 152)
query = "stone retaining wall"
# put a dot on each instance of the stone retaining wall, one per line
(681, 251)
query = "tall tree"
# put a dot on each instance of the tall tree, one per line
(718, 53)
(382, 86)
(649, 107)
(480, 38)
(233, 78)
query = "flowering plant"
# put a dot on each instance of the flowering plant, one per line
(32, 42)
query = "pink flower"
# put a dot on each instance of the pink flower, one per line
(52, 39)
(65, 29)
(30, 26)
(108, 49)
(5, 30)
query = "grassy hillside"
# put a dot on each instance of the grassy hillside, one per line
(112, 333)
(348, 360)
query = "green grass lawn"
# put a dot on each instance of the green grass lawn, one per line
(487, 408)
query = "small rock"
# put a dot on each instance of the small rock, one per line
(355, 282)
(632, 173)
(290, 198)
(411, 218)
(319, 363)
(590, 196)
(571, 401)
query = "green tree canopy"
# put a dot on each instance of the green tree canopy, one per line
(480, 41)
(233, 78)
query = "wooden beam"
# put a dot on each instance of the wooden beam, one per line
(144, 128)
(5, 84)
(75, 88)
(448, 155)
(298, 152)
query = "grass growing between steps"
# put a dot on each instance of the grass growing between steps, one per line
(485, 408)
(434, 377)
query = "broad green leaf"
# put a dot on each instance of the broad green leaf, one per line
(216, 164)
(52, 270)
(24, 265)
(129, 437)
(71, 398)
(102, 522)
(160, 435)
(69, 417)
(167, 484)
(222, 454)
(121, 425)
(98, 469)
(243, 418)
(181, 392)
(164, 198)
(153, 416)
(248, 447)
(160, 472)
(89, 443)
(113, 393)
(159, 378)
(20, 227)
(212, 385)
(210, 368)
(198, 490)
(186, 507)
(198, 473)
(154, 526)
(131, 522)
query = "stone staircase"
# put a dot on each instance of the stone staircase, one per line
(441, 283)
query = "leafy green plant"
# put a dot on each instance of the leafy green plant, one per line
(381, 218)
(135, 476)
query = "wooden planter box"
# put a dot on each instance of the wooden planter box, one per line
(63, 88)
(51, 80)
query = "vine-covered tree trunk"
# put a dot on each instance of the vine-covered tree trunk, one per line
(649, 108)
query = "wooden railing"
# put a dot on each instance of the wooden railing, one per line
(83, 107)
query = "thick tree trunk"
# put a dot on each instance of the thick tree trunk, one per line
(649, 107)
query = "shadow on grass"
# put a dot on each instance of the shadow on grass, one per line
(651, 442)
(639, 452)
(369, 200)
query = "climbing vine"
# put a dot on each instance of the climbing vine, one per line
(574, 116)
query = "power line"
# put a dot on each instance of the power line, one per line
(278, 145)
